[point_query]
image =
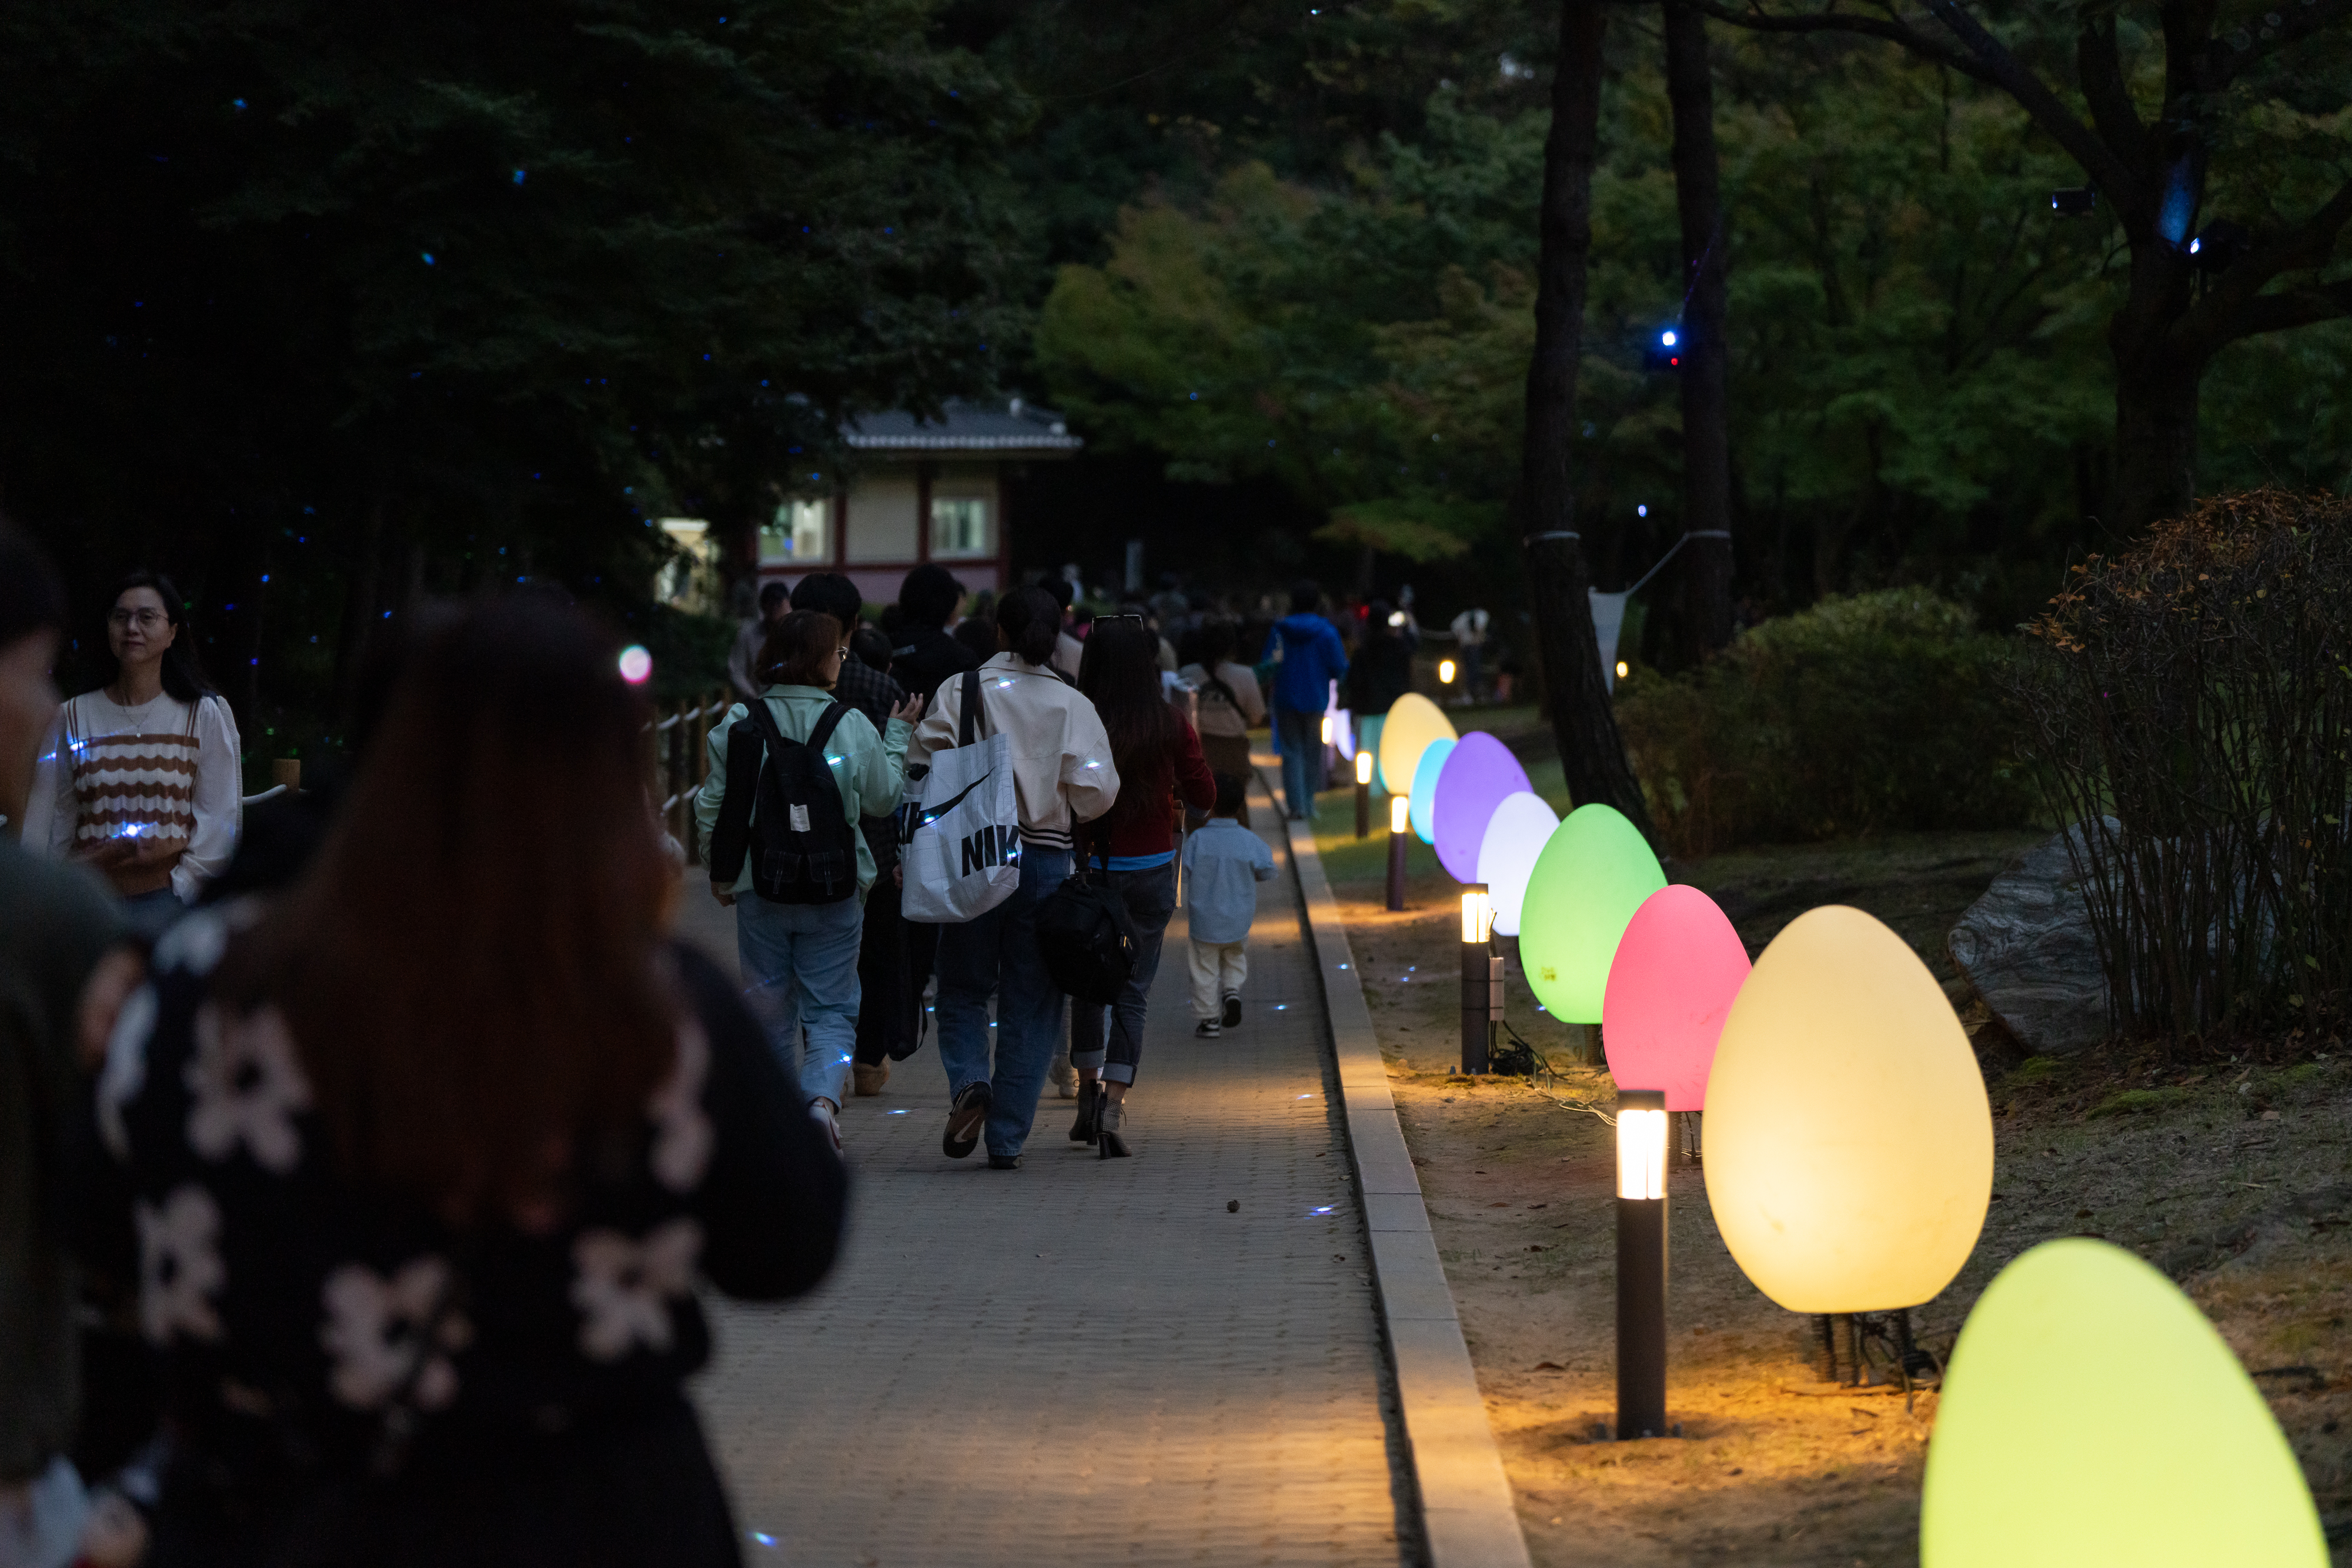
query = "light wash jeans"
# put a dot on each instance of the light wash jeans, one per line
(997, 953)
(800, 971)
(1302, 760)
(1150, 898)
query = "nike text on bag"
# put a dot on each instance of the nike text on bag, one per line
(799, 841)
(963, 846)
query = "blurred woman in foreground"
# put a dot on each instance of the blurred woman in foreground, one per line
(426, 1156)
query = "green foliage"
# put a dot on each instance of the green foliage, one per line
(1879, 711)
(2130, 1101)
(350, 301)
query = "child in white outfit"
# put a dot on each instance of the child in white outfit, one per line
(1224, 863)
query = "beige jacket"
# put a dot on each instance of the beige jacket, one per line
(1061, 770)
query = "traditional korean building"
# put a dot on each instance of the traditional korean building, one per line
(923, 490)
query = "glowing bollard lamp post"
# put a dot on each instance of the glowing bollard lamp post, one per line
(1363, 794)
(1641, 1263)
(1400, 825)
(1482, 979)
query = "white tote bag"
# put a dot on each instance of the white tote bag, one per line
(962, 856)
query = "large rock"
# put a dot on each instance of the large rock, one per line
(2026, 946)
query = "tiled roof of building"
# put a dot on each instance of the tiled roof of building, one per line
(1015, 426)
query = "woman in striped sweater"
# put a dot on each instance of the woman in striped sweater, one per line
(139, 778)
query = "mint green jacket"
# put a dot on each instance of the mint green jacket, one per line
(869, 770)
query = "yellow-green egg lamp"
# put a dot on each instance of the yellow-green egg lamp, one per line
(2179, 1464)
(1593, 873)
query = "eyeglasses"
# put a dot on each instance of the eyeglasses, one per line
(145, 619)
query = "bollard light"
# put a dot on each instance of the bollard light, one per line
(1327, 729)
(1622, 671)
(1400, 824)
(1641, 1263)
(1445, 671)
(1363, 794)
(1482, 979)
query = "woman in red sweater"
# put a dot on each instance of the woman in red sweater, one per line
(1133, 846)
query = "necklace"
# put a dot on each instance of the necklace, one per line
(137, 715)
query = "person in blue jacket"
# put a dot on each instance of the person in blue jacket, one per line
(1312, 658)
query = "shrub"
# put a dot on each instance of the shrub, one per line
(2191, 699)
(1882, 710)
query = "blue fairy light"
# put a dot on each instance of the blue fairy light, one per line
(427, 256)
(517, 176)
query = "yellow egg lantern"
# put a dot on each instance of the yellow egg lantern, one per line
(2179, 1465)
(1413, 721)
(1849, 1142)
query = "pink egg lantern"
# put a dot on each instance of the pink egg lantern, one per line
(1671, 985)
(1478, 774)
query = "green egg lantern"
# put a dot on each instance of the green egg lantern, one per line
(1593, 873)
(2178, 1465)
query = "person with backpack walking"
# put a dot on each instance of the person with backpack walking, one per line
(1231, 703)
(1312, 659)
(1132, 847)
(1063, 775)
(791, 776)
(417, 1165)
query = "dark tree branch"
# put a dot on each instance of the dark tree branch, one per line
(1757, 20)
(2293, 308)
(2101, 68)
(2221, 62)
(2237, 296)
(2009, 73)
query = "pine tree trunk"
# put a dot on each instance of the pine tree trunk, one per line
(1592, 754)
(2155, 471)
(1706, 416)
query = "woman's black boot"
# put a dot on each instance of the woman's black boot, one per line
(1082, 1131)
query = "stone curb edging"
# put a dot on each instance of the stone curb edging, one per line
(1469, 1517)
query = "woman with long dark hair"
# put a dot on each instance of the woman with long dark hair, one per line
(140, 778)
(1231, 703)
(427, 1153)
(1133, 847)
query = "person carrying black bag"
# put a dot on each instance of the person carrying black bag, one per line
(777, 820)
(1132, 848)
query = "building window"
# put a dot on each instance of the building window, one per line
(800, 534)
(960, 527)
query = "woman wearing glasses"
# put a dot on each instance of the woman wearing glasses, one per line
(140, 779)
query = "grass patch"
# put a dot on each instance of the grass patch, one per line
(2129, 1102)
(2034, 1069)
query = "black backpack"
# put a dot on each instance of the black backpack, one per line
(1086, 938)
(801, 843)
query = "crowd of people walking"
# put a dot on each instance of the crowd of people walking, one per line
(358, 1163)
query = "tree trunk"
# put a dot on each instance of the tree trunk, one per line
(1706, 417)
(2155, 471)
(1592, 754)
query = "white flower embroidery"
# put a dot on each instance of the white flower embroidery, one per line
(247, 1087)
(371, 1328)
(682, 1131)
(625, 1287)
(180, 1267)
(126, 1067)
(194, 942)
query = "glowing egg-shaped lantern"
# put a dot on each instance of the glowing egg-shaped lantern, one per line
(2179, 1464)
(1677, 969)
(1421, 800)
(1593, 873)
(1515, 836)
(1413, 721)
(1849, 1144)
(1478, 774)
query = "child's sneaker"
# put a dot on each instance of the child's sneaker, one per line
(1207, 1030)
(1233, 1012)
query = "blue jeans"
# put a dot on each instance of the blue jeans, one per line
(997, 953)
(1151, 899)
(1302, 759)
(800, 971)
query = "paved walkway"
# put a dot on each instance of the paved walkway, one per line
(1084, 1361)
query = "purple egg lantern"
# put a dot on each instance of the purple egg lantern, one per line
(1476, 776)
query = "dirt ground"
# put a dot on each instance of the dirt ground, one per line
(2235, 1178)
